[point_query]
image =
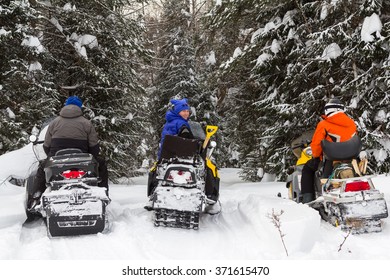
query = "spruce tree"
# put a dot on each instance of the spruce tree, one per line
(298, 56)
(28, 94)
(91, 49)
(176, 75)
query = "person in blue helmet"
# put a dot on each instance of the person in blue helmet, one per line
(176, 124)
(69, 130)
(176, 121)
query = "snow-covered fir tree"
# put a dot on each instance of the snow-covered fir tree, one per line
(261, 72)
(91, 50)
(298, 55)
(27, 89)
(176, 76)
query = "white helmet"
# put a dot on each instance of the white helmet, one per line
(333, 105)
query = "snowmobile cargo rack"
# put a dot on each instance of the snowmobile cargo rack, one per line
(350, 179)
(56, 185)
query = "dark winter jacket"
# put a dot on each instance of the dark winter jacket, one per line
(174, 123)
(71, 130)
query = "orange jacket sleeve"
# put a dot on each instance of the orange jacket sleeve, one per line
(318, 136)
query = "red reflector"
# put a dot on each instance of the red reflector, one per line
(73, 174)
(357, 186)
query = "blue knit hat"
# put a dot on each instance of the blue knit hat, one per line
(179, 105)
(74, 100)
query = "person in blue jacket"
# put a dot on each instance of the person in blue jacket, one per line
(176, 121)
(176, 124)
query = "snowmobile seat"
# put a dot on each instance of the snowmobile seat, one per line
(342, 150)
(175, 146)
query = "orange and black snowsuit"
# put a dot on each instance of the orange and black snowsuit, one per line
(336, 128)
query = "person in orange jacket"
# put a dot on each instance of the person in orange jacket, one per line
(336, 126)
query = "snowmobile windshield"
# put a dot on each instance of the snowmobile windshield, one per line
(42, 131)
(197, 130)
(47, 122)
(301, 142)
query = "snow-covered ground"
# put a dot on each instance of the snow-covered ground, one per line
(242, 231)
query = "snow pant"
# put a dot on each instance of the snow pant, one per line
(103, 172)
(307, 180)
(152, 182)
(212, 185)
(40, 179)
(39, 184)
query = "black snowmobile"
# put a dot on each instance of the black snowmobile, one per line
(72, 203)
(180, 195)
(345, 195)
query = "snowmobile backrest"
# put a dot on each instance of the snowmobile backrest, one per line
(342, 150)
(175, 146)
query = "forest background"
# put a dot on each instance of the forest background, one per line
(259, 69)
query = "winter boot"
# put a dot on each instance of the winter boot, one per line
(213, 207)
(149, 204)
(34, 202)
(307, 197)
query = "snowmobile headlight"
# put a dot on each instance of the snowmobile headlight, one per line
(356, 186)
(308, 152)
(73, 174)
(180, 177)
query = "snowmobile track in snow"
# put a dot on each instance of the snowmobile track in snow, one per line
(30, 229)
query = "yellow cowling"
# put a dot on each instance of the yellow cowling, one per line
(212, 167)
(305, 156)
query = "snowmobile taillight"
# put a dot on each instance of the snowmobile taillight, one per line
(73, 174)
(357, 186)
(180, 176)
